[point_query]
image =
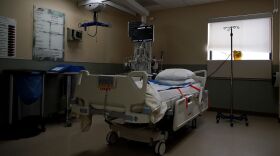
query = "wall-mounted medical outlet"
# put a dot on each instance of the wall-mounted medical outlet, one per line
(74, 35)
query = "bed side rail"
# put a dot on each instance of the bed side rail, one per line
(143, 75)
(204, 72)
(202, 79)
(121, 98)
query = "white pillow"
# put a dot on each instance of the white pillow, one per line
(176, 82)
(175, 74)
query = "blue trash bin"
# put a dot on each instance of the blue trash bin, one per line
(29, 87)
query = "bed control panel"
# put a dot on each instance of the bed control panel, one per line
(106, 83)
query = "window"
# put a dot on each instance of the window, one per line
(253, 38)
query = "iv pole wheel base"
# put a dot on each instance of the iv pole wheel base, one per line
(160, 148)
(231, 118)
(246, 120)
(218, 118)
(112, 138)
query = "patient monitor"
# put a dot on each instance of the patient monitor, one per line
(142, 35)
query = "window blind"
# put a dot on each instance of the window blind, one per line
(253, 35)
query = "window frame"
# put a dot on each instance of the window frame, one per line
(241, 17)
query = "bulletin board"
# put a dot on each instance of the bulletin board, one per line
(48, 35)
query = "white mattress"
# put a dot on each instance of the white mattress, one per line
(171, 94)
(160, 101)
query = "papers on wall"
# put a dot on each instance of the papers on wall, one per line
(7, 37)
(48, 42)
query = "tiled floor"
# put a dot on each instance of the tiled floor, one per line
(261, 138)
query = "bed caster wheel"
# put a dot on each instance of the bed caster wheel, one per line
(160, 148)
(247, 124)
(231, 124)
(194, 124)
(217, 119)
(112, 138)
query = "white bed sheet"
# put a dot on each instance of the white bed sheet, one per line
(160, 101)
(171, 94)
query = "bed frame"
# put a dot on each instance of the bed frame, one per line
(122, 103)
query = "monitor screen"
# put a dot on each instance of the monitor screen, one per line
(143, 33)
(132, 26)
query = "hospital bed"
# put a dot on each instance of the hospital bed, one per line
(138, 109)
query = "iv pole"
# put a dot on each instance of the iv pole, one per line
(231, 116)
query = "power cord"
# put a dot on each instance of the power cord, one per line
(96, 28)
(94, 35)
(218, 68)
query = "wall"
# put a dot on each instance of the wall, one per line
(110, 46)
(181, 34)
(104, 54)
(278, 102)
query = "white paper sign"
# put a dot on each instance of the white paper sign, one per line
(57, 28)
(56, 42)
(42, 40)
(48, 35)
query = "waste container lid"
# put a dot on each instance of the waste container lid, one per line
(24, 72)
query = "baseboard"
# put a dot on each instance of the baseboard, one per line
(223, 110)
